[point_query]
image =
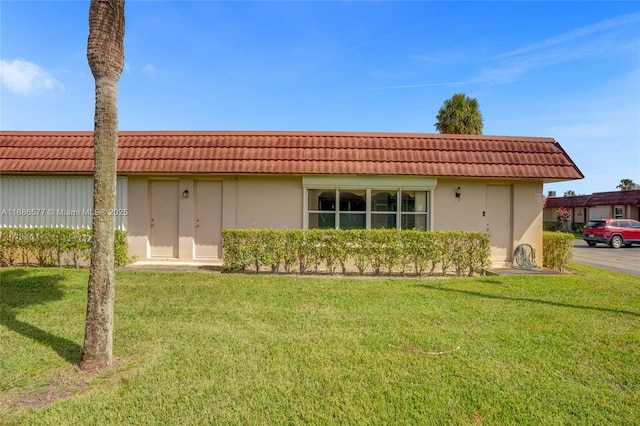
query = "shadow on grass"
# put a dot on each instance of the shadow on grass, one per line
(20, 289)
(524, 299)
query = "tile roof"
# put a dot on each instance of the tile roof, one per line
(238, 152)
(614, 198)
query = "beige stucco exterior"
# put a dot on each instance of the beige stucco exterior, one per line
(278, 201)
(245, 202)
(521, 222)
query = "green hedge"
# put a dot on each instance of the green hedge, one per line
(557, 248)
(552, 226)
(355, 251)
(53, 246)
(577, 226)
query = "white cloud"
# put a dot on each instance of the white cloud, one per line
(149, 70)
(443, 57)
(502, 75)
(27, 78)
(575, 34)
(551, 51)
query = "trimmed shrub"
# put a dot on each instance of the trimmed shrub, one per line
(374, 251)
(577, 226)
(557, 248)
(552, 226)
(54, 246)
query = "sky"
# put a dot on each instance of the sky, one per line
(567, 70)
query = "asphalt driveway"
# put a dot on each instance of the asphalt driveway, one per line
(624, 259)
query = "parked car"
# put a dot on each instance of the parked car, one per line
(615, 232)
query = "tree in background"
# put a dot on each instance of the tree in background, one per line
(570, 193)
(460, 115)
(626, 184)
(105, 54)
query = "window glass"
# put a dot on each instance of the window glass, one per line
(596, 224)
(384, 201)
(414, 201)
(353, 201)
(383, 221)
(322, 199)
(362, 208)
(353, 221)
(322, 220)
(414, 221)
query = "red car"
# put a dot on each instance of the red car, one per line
(615, 232)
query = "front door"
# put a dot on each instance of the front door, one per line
(499, 222)
(208, 233)
(163, 235)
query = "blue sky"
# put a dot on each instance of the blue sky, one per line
(567, 70)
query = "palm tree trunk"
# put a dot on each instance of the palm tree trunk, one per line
(105, 53)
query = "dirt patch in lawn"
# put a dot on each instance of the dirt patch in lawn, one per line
(65, 383)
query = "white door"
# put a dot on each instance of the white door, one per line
(163, 235)
(208, 233)
(499, 222)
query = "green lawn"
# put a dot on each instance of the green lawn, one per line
(199, 348)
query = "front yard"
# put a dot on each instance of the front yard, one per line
(200, 348)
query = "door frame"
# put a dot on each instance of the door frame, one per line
(150, 225)
(219, 210)
(508, 239)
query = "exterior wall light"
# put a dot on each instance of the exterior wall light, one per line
(185, 193)
(458, 192)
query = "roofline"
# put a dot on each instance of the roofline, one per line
(569, 159)
(363, 140)
(544, 180)
(274, 133)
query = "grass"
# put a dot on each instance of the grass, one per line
(198, 348)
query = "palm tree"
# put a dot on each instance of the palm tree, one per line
(460, 115)
(570, 193)
(626, 184)
(105, 54)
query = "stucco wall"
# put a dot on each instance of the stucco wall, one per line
(463, 213)
(261, 202)
(269, 202)
(469, 211)
(527, 216)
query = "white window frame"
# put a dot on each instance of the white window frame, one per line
(368, 184)
(617, 215)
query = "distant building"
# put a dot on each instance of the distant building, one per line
(582, 208)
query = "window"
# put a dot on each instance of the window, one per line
(353, 208)
(617, 212)
(368, 202)
(322, 207)
(414, 210)
(384, 206)
(367, 209)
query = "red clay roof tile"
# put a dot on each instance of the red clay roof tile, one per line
(411, 154)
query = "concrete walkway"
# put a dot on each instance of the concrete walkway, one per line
(512, 271)
(174, 266)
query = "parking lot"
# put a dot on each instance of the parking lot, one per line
(624, 259)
